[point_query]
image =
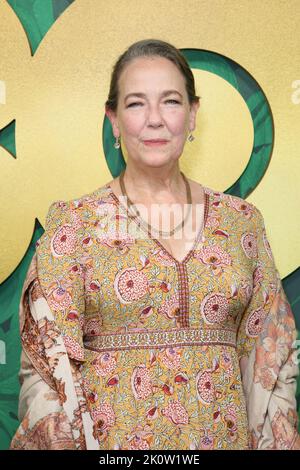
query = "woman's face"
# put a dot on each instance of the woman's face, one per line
(154, 116)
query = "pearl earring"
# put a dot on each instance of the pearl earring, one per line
(117, 144)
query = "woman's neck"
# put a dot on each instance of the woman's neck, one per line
(154, 184)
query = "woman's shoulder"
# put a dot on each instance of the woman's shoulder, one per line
(68, 222)
(77, 211)
(90, 198)
(93, 198)
(237, 206)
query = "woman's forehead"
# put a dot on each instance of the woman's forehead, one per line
(144, 71)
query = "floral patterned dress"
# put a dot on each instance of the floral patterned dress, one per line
(156, 343)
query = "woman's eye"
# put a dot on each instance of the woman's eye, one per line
(139, 103)
(131, 105)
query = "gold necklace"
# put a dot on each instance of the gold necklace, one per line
(149, 227)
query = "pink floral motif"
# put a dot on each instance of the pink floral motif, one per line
(176, 412)
(140, 438)
(230, 419)
(138, 444)
(76, 269)
(241, 206)
(94, 286)
(249, 245)
(283, 430)
(130, 285)
(60, 205)
(212, 222)
(73, 315)
(104, 418)
(215, 257)
(145, 314)
(170, 357)
(214, 308)
(152, 413)
(64, 241)
(93, 326)
(257, 278)
(226, 362)
(87, 240)
(141, 382)
(217, 198)
(205, 387)
(105, 364)
(91, 284)
(59, 298)
(181, 378)
(207, 441)
(274, 348)
(76, 218)
(255, 322)
(170, 307)
(276, 345)
(265, 377)
(73, 347)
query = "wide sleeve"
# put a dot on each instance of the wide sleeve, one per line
(44, 424)
(48, 400)
(61, 272)
(52, 406)
(266, 347)
(266, 280)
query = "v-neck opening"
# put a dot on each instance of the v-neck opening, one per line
(155, 240)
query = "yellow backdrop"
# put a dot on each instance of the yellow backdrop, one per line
(57, 98)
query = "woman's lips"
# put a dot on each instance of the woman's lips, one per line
(155, 143)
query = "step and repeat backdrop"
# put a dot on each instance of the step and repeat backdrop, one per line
(56, 58)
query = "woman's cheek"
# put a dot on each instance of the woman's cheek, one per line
(177, 122)
(179, 128)
(134, 124)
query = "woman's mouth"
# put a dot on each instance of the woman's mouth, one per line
(155, 142)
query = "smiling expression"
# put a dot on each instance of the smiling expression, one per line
(154, 115)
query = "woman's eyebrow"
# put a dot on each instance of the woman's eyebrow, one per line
(143, 95)
(171, 92)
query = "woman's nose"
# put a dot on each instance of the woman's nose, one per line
(154, 116)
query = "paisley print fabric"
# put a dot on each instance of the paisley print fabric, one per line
(125, 347)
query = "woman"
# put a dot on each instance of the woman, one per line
(136, 337)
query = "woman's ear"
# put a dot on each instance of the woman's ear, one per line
(193, 114)
(113, 119)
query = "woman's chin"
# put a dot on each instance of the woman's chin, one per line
(157, 160)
